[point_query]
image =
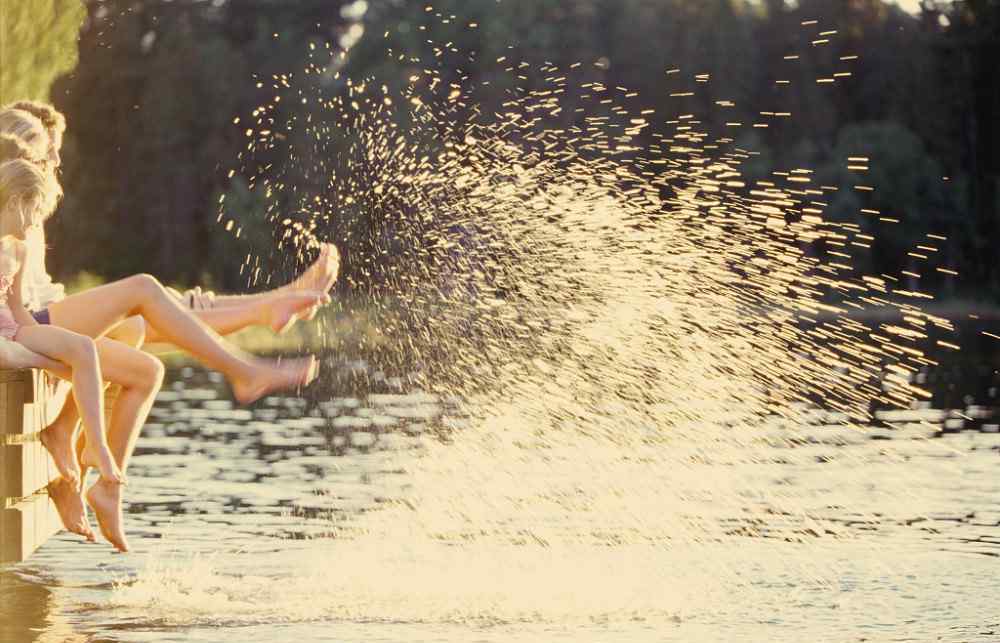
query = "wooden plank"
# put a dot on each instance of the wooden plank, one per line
(26, 527)
(3, 410)
(3, 431)
(21, 375)
(3, 477)
(27, 516)
(53, 400)
(29, 468)
(13, 417)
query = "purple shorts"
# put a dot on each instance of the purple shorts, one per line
(42, 316)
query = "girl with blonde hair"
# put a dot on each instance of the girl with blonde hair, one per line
(27, 197)
(30, 131)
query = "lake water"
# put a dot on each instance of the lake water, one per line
(374, 511)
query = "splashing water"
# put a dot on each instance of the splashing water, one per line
(638, 332)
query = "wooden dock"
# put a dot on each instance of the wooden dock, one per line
(27, 518)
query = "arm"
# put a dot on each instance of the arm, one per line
(21, 316)
(14, 355)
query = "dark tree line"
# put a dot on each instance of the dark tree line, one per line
(152, 101)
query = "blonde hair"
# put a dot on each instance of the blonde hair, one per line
(29, 129)
(51, 118)
(28, 195)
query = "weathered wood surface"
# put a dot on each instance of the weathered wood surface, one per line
(27, 516)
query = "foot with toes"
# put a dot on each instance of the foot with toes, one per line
(105, 499)
(69, 503)
(280, 375)
(283, 309)
(100, 458)
(322, 274)
(57, 439)
(74, 456)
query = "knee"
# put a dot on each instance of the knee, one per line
(83, 350)
(149, 374)
(145, 283)
(132, 331)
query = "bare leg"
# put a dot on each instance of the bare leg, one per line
(276, 310)
(321, 275)
(81, 354)
(140, 376)
(131, 332)
(96, 311)
(58, 436)
(58, 439)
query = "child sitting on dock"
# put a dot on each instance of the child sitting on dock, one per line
(27, 197)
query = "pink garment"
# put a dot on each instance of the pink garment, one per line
(8, 325)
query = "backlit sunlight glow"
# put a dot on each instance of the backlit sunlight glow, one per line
(638, 332)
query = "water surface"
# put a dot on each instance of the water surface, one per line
(381, 512)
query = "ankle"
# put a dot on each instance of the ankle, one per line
(58, 428)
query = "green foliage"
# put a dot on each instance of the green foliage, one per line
(909, 187)
(152, 104)
(151, 112)
(37, 44)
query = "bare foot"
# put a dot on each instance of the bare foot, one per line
(68, 501)
(79, 448)
(58, 439)
(322, 274)
(101, 459)
(275, 376)
(285, 308)
(105, 498)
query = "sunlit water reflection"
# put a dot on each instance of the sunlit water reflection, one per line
(386, 513)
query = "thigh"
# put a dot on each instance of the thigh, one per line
(120, 363)
(131, 332)
(124, 365)
(94, 312)
(52, 342)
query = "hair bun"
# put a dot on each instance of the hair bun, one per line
(11, 148)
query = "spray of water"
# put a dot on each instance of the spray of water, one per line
(641, 333)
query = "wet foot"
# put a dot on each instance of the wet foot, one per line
(105, 499)
(69, 503)
(58, 440)
(275, 376)
(322, 274)
(284, 309)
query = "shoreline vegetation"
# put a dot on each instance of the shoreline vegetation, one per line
(912, 93)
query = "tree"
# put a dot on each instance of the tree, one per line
(37, 44)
